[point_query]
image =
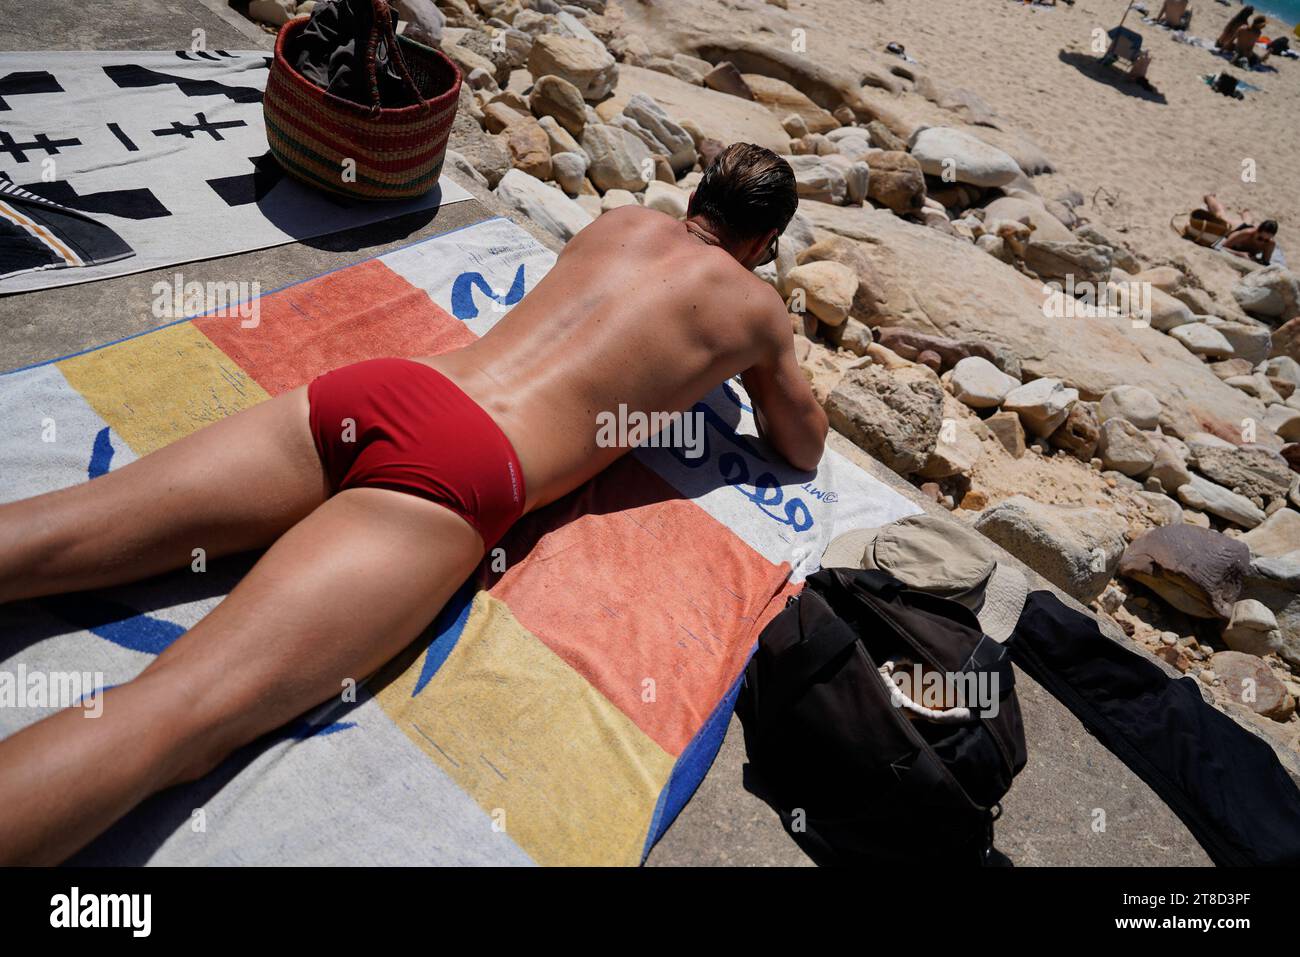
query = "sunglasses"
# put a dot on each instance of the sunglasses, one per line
(771, 253)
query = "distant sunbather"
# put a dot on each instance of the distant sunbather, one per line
(378, 488)
(1175, 13)
(1242, 44)
(1255, 243)
(1230, 29)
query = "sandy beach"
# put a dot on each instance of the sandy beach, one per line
(1138, 159)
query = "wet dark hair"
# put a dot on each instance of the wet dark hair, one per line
(1268, 226)
(746, 191)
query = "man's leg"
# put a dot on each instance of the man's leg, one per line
(235, 485)
(336, 597)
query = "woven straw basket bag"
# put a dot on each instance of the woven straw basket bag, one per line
(363, 152)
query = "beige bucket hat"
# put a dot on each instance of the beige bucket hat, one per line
(943, 558)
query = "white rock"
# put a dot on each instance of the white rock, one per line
(1252, 629)
(667, 198)
(1203, 340)
(1284, 420)
(1200, 493)
(1283, 367)
(967, 159)
(546, 205)
(569, 170)
(1130, 402)
(1123, 447)
(618, 159)
(979, 383)
(828, 287)
(817, 179)
(1042, 404)
(615, 198)
(584, 63)
(856, 178)
(675, 142)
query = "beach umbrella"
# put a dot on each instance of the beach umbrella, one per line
(1126, 12)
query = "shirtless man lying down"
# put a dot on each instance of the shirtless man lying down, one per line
(367, 539)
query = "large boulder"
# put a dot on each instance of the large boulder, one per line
(1276, 536)
(544, 204)
(954, 155)
(1046, 226)
(1251, 341)
(486, 153)
(1275, 583)
(894, 416)
(816, 178)
(979, 383)
(618, 159)
(824, 85)
(1198, 571)
(939, 285)
(1042, 404)
(557, 97)
(1123, 447)
(1202, 494)
(1203, 340)
(847, 253)
(1063, 262)
(1079, 433)
(584, 63)
(896, 181)
(727, 119)
(1252, 470)
(909, 344)
(1253, 629)
(828, 289)
(1272, 292)
(1251, 682)
(1130, 402)
(1075, 548)
(668, 137)
(783, 100)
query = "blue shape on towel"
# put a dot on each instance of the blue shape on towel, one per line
(447, 628)
(691, 767)
(101, 456)
(301, 729)
(116, 622)
(462, 293)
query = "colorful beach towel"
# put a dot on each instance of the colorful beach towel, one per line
(567, 702)
(166, 150)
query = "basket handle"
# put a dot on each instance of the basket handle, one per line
(383, 31)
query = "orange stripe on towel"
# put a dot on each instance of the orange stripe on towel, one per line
(366, 311)
(644, 594)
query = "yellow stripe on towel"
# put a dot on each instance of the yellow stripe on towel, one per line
(160, 387)
(568, 776)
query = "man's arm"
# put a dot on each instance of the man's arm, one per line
(788, 416)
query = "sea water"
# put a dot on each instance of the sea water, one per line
(1286, 10)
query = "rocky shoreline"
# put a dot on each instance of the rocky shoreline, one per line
(1126, 426)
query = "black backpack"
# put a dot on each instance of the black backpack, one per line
(853, 779)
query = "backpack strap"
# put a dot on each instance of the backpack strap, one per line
(823, 637)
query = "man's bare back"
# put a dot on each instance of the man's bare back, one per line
(376, 490)
(638, 310)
